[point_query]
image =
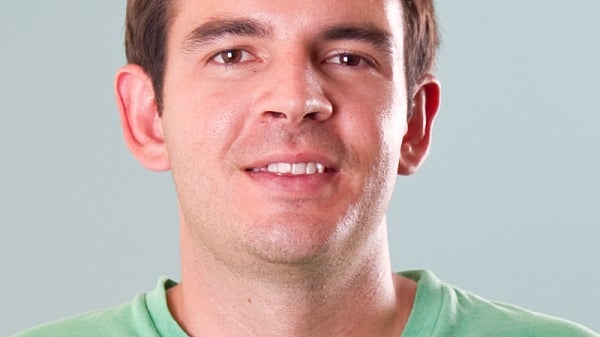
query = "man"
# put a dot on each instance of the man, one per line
(285, 124)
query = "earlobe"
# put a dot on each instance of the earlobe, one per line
(424, 107)
(140, 120)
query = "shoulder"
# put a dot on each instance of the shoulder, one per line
(443, 310)
(122, 320)
(491, 318)
(146, 315)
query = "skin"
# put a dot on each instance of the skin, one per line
(271, 254)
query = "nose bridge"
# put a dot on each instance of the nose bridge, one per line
(292, 89)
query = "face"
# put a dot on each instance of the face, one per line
(283, 122)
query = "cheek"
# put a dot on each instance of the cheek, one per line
(200, 125)
(203, 119)
(374, 119)
(375, 126)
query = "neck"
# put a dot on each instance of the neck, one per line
(332, 297)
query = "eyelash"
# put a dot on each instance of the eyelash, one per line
(344, 58)
(243, 56)
(239, 55)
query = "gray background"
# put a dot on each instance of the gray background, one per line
(506, 206)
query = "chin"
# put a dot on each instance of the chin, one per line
(302, 239)
(293, 243)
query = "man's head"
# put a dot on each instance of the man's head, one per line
(284, 123)
(147, 25)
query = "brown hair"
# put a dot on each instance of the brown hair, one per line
(147, 22)
(421, 40)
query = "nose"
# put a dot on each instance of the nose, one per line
(292, 92)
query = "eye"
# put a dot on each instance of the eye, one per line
(232, 56)
(348, 60)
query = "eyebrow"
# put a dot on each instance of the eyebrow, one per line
(370, 34)
(216, 29)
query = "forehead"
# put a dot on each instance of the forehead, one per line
(289, 17)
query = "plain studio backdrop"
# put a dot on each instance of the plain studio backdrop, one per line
(507, 205)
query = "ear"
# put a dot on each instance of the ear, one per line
(140, 119)
(423, 108)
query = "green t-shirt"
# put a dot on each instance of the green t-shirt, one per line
(440, 310)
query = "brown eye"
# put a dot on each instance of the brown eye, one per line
(350, 60)
(232, 56)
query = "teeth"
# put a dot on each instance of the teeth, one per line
(296, 168)
(311, 168)
(299, 168)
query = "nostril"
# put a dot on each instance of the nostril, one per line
(311, 115)
(276, 114)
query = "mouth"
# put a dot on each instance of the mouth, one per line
(295, 176)
(292, 169)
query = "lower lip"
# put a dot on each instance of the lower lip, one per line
(294, 186)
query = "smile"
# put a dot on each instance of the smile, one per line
(309, 168)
